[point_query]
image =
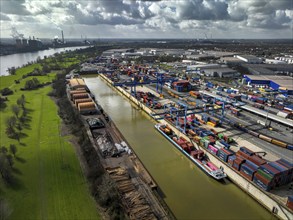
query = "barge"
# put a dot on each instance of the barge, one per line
(196, 156)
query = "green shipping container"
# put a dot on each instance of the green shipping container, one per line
(220, 136)
(265, 175)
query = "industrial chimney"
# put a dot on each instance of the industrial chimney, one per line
(62, 36)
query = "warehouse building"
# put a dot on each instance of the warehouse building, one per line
(249, 58)
(221, 72)
(269, 69)
(281, 83)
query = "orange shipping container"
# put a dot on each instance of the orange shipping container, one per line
(80, 96)
(77, 101)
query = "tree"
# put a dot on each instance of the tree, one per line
(12, 70)
(9, 160)
(10, 126)
(21, 101)
(5, 169)
(15, 109)
(13, 149)
(32, 84)
(6, 91)
(3, 150)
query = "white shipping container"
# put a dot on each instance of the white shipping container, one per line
(282, 114)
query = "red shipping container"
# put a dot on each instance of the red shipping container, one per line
(240, 153)
(230, 162)
(262, 179)
(257, 160)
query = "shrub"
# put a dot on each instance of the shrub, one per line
(6, 91)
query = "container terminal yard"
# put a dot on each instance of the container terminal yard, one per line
(243, 136)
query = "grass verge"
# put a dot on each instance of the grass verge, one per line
(49, 183)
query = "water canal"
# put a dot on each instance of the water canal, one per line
(189, 193)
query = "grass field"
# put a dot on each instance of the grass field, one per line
(49, 181)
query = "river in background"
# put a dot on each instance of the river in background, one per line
(19, 59)
(188, 191)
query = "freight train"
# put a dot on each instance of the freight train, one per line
(264, 137)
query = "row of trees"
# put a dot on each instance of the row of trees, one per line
(15, 123)
(6, 162)
(103, 188)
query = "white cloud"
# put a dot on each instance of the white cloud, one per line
(164, 18)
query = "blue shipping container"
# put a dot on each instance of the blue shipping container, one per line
(278, 167)
(285, 162)
(261, 184)
(248, 169)
(268, 170)
(251, 164)
(246, 151)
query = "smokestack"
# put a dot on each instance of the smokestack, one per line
(62, 36)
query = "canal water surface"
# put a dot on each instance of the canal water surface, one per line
(189, 192)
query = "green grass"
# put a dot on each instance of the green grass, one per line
(50, 183)
(7, 81)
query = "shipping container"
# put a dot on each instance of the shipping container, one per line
(246, 151)
(270, 170)
(251, 164)
(265, 175)
(257, 160)
(262, 182)
(231, 160)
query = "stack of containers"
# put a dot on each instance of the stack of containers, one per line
(248, 169)
(244, 152)
(266, 177)
(219, 144)
(289, 166)
(196, 139)
(226, 145)
(224, 154)
(213, 149)
(231, 160)
(284, 176)
(257, 160)
(214, 121)
(237, 163)
(205, 118)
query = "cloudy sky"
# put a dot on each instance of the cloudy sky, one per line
(148, 19)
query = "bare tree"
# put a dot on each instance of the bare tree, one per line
(15, 109)
(13, 149)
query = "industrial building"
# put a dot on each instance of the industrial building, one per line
(282, 83)
(249, 58)
(269, 69)
(221, 72)
(231, 61)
